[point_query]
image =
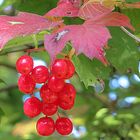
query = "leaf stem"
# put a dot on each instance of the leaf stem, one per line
(35, 40)
(130, 34)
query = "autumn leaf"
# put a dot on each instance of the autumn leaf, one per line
(21, 25)
(76, 3)
(64, 9)
(93, 10)
(86, 38)
(114, 19)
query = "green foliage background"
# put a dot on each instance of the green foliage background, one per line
(104, 119)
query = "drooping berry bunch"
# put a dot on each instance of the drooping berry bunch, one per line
(55, 93)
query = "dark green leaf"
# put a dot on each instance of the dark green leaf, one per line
(123, 53)
(90, 70)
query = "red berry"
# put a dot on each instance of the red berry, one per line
(49, 109)
(40, 74)
(71, 69)
(68, 93)
(32, 107)
(26, 84)
(24, 64)
(64, 126)
(59, 68)
(66, 105)
(55, 84)
(47, 95)
(45, 126)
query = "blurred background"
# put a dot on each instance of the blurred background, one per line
(108, 110)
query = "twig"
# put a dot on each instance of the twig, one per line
(8, 66)
(25, 49)
(130, 34)
(8, 88)
(102, 99)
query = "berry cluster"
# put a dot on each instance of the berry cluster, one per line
(54, 93)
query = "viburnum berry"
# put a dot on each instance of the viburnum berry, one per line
(59, 68)
(49, 109)
(71, 69)
(45, 126)
(24, 64)
(26, 84)
(63, 68)
(55, 84)
(68, 93)
(47, 95)
(32, 107)
(40, 74)
(66, 105)
(64, 126)
(54, 92)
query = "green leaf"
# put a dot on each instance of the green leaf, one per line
(132, 1)
(20, 41)
(90, 70)
(123, 53)
(36, 6)
(111, 120)
(134, 15)
(101, 113)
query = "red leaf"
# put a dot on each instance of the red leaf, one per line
(114, 19)
(64, 9)
(93, 10)
(21, 25)
(86, 38)
(76, 3)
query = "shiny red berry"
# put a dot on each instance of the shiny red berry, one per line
(68, 93)
(49, 109)
(66, 105)
(71, 69)
(26, 84)
(32, 107)
(40, 74)
(64, 126)
(55, 84)
(59, 68)
(45, 126)
(47, 95)
(24, 64)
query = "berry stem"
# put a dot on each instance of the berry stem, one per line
(35, 50)
(35, 41)
(58, 115)
(71, 53)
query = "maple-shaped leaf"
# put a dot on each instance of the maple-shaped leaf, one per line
(93, 10)
(114, 19)
(64, 9)
(89, 38)
(86, 38)
(76, 3)
(21, 25)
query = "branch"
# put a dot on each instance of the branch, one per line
(24, 49)
(102, 99)
(130, 34)
(8, 66)
(8, 88)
